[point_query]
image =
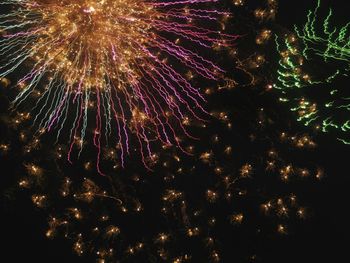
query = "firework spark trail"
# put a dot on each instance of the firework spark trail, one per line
(111, 58)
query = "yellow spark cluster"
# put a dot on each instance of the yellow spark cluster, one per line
(263, 36)
(267, 13)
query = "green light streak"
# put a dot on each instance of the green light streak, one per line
(321, 45)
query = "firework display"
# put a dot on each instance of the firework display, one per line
(165, 131)
(113, 59)
(313, 60)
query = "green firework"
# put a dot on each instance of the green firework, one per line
(314, 62)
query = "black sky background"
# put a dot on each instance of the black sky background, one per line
(325, 237)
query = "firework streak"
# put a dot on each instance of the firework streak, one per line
(300, 74)
(115, 58)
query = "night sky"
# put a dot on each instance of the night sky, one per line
(258, 129)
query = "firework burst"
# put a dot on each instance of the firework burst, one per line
(114, 60)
